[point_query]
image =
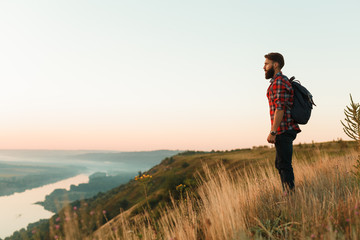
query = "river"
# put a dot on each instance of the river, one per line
(18, 210)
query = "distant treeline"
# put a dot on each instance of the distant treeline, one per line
(98, 182)
(10, 185)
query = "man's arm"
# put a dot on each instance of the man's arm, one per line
(278, 116)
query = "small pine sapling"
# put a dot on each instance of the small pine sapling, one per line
(352, 128)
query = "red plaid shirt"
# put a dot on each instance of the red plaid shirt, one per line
(280, 95)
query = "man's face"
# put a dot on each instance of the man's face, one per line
(269, 68)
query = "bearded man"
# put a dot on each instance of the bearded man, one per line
(283, 128)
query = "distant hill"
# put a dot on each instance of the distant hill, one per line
(132, 161)
(17, 177)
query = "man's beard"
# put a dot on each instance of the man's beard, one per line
(270, 73)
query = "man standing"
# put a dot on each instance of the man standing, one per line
(283, 128)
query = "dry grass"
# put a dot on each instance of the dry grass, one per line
(250, 204)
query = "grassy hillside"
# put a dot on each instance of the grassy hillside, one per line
(140, 209)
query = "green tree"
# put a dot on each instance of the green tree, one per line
(352, 128)
(352, 121)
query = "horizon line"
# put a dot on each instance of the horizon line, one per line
(154, 150)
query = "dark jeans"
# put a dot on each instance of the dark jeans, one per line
(283, 160)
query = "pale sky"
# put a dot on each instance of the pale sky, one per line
(147, 75)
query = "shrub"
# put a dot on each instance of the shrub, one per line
(185, 165)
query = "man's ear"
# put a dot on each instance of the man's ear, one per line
(276, 65)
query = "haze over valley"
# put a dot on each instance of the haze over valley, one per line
(52, 179)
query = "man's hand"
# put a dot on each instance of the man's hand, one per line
(271, 138)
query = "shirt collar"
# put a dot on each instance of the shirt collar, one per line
(273, 79)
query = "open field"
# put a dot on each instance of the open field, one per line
(223, 195)
(250, 204)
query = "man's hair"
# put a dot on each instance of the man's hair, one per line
(276, 57)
